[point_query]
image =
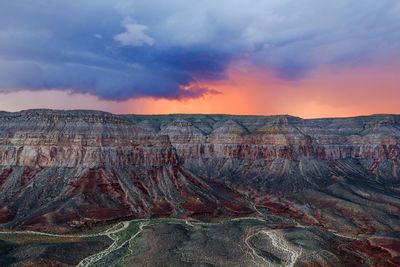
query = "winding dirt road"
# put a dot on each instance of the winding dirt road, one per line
(292, 253)
(113, 235)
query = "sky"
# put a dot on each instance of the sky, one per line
(307, 58)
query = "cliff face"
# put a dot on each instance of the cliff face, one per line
(287, 138)
(79, 139)
(62, 170)
(44, 138)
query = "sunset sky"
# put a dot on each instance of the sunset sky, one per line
(308, 58)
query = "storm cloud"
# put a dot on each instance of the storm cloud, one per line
(120, 49)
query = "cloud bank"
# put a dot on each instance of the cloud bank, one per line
(118, 50)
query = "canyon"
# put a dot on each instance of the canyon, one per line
(327, 191)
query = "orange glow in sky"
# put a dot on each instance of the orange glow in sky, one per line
(358, 90)
(325, 93)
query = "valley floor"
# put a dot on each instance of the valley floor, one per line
(248, 241)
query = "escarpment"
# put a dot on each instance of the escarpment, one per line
(87, 138)
(63, 170)
(79, 139)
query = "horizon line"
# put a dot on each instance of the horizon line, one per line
(204, 114)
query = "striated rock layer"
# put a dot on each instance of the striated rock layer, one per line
(63, 170)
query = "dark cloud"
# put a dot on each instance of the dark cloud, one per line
(124, 49)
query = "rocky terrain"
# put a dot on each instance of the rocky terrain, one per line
(326, 190)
